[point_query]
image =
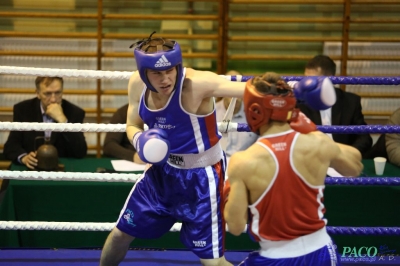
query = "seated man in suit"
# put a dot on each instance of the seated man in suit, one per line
(393, 140)
(117, 144)
(47, 107)
(346, 111)
(387, 145)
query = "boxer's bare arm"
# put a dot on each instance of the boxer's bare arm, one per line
(343, 158)
(348, 161)
(320, 149)
(133, 121)
(235, 212)
(312, 156)
(209, 84)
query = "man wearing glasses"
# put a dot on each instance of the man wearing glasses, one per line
(47, 107)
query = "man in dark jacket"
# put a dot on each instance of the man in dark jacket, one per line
(47, 107)
(117, 144)
(345, 112)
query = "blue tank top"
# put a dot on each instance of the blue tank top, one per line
(187, 133)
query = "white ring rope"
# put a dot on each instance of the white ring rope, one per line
(61, 127)
(61, 226)
(71, 226)
(58, 72)
(69, 176)
(74, 73)
(85, 127)
(66, 226)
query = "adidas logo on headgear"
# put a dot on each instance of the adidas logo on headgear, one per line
(162, 62)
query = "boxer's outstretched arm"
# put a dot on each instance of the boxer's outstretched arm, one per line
(343, 158)
(348, 161)
(209, 84)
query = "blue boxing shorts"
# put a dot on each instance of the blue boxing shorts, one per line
(165, 195)
(326, 255)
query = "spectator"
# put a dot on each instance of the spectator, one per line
(234, 141)
(378, 149)
(387, 145)
(47, 107)
(346, 111)
(393, 140)
(116, 144)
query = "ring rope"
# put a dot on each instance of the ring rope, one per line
(242, 127)
(360, 129)
(101, 74)
(222, 127)
(62, 127)
(58, 72)
(363, 181)
(132, 178)
(76, 226)
(352, 80)
(60, 226)
(69, 176)
(377, 231)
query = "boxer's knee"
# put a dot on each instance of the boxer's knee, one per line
(117, 237)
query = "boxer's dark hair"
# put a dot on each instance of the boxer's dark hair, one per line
(271, 83)
(152, 45)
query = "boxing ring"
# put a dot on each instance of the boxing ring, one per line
(160, 256)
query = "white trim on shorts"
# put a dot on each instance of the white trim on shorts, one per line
(296, 247)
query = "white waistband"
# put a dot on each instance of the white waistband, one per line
(187, 161)
(296, 247)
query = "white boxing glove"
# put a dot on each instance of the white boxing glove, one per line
(152, 145)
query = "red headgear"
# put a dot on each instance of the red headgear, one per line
(260, 108)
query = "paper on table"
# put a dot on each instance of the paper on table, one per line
(333, 173)
(124, 165)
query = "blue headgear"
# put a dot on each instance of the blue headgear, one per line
(158, 61)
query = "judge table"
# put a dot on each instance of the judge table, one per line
(81, 201)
